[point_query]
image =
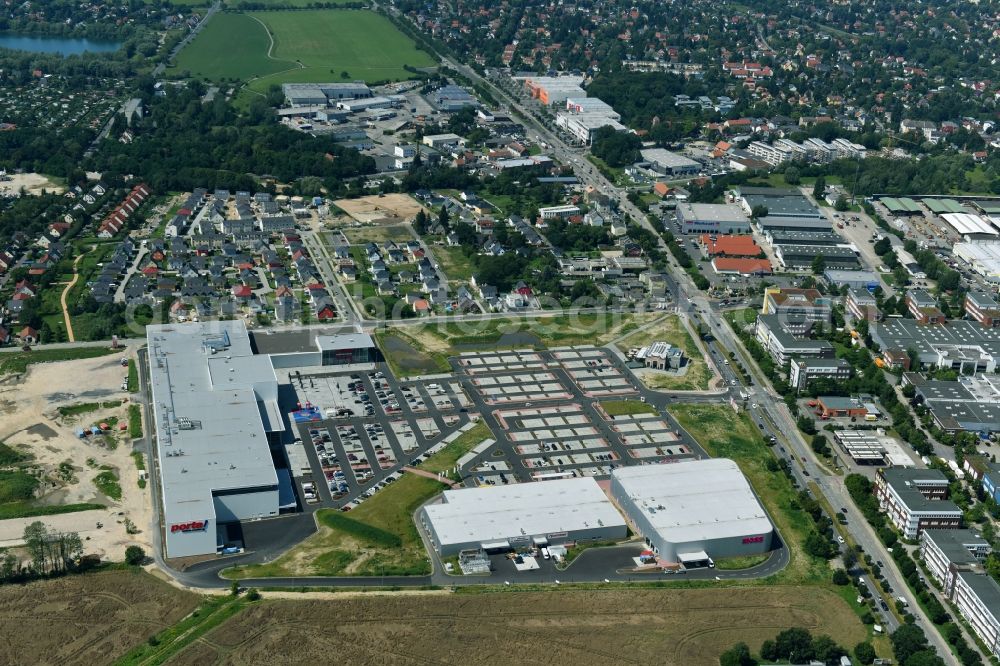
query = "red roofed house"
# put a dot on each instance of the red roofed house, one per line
(28, 335)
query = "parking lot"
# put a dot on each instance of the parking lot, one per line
(358, 429)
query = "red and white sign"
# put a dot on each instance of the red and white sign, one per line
(193, 526)
(753, 539)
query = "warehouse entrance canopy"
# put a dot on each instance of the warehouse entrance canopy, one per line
(694, 557)
(496, 545)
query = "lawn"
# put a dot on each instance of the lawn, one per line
(18, 362)
(376, 538)
(404, 357)
(626, 407)
(725, 434)
(231, 46)
(455, 263)
(671, 329)
(550, 330)
(378, 234)
(445, 459)
(331, 43)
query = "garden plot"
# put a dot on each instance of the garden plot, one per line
(520, 387)
(508, 361)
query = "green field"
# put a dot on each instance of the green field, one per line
(626, 407)
(377, 538)
(231, 46)
(330, 42)
(309, 46)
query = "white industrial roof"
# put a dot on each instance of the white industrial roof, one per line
(666, 158)
(967, 223)
(694, 500)
(213, 401)
(497, 513)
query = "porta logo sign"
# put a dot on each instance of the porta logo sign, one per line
(754, 539)
(193, 526)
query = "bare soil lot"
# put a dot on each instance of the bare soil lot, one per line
(390, 208)
(33, 183)
(86, 619)
(682, 626)
(88, 391)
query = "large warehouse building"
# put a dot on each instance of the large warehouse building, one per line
(692, 511)
(215, 403)
(502, 518)
(699, 218)
(216, 406)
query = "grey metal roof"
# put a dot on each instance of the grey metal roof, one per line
(212, 402)
(499, 512)
(694, 500)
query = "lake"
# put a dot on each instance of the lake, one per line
(54, 44)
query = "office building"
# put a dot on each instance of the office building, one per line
(787, 337)
(915, 500)
(668, 163)
(802, 371)
(806, 303)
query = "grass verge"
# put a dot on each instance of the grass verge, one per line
(359, 546)
(726, 434)
(444, 460)
(18, 362)
(134, 421)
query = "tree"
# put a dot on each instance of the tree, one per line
(907, 641)
(253, 594)
(234, 588)
(825, 649)
(865, 653)
(793, 176)
(840, 204)
(818, 264)
(769, 651)
(738, 655)
(758, 211)
(819, 188)
(882, 246)
(818, 545)
(840, 577)
(134, 555)
(794, 644)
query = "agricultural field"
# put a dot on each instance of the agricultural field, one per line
(689, 627)
(308, 46)
(86, 619)
(329, 43)
(231, 46)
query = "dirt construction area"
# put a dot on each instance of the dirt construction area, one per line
(388, 208)
(32, 183)
(87, 619)
(683, 627)
(41, 413)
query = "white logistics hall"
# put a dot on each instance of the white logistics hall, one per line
(691, 511)
(499, 518)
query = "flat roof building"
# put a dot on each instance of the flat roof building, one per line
(712, 218)
(786, 337)
(789, 301)
(779, 202)
(864, 280)
(771, 223)
(499, 518)
(801, 257)
(668, 163)
(216, 407)
(971, 403)
(803, 371)
(959, 344)
(779, 236)
(691, 511)
(915, 500)
(555, 89)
